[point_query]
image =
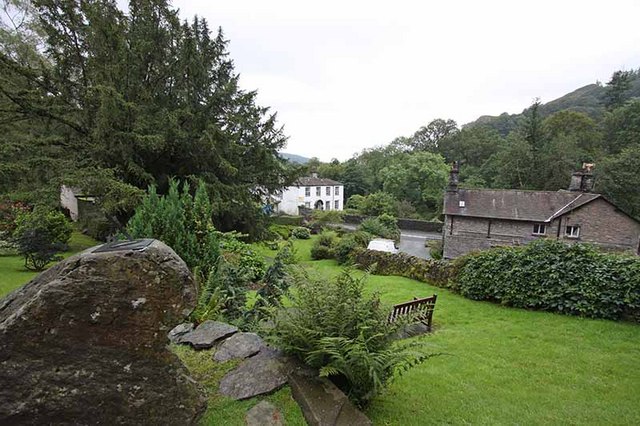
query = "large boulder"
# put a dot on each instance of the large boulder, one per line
(86, 341)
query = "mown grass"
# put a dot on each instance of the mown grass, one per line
(496, 365)
(499, 365)
(13, 274)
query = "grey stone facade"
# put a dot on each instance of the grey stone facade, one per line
(599, 222)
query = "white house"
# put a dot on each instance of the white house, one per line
(311, 192)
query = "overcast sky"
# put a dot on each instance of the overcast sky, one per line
(347, 75)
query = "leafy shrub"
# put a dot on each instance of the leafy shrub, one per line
(280, 232)
(384, 226)
(277, 281)
(435, 249)
(243, 256)
(301, 233)
(335, 328)
(40, 235)
(552, 276)
(181, 221)
(9, 210)
(323, 246)
(347, 245)
(224, 293)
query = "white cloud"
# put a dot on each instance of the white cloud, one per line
(346, 75)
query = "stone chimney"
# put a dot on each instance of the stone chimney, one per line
(314, 175)
(582, 180)
(453, 177)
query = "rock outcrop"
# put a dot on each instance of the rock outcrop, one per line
(258, 375)
(207, 334)
(239, 346)
(321, 402)
(86, 341)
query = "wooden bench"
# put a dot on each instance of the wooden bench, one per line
(421, 308)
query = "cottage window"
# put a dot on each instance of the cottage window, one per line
(336, 190)
(328, 190)
(318, 191)
(328, 204)
(539, 229)
(307, 204)
(572, 231)
(307, 191)
(337, 203)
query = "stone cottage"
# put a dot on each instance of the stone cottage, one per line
(310, 192)
(477, 219)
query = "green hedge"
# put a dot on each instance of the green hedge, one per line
(552, 276)
(288, 220)
(544, 275)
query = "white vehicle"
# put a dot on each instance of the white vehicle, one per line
(382, 244)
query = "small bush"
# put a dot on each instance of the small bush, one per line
(40, 235)
(435, 249)
(344, 250)
(384, 226)
(335, 328)
(242, 255)
(323, 247)
(301, 233)
(280, 231)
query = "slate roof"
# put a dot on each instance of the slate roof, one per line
(314, 181)
(532, 206)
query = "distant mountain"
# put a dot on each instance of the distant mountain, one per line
(588, 99)
(294, 158)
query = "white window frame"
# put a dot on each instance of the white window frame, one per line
(572, 231)
(336, 190)
(328, 190)
(539, 226)
(307, 191)
(318, 191)
(327, 205)
(337, 205)
(307, 204)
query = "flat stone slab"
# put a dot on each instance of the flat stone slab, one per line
(321, 402)
(207, 334)
(179, 330)
(258, 375)
(239, 346)
(263, 414)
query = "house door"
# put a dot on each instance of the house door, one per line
(319, 205)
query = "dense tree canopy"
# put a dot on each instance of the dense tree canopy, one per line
(536, 150)
(135, 97)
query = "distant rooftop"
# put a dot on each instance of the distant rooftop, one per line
(316, 181)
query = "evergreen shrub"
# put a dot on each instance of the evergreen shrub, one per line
(323, 247)
(552, 276)
(181, 221)
(301, 233)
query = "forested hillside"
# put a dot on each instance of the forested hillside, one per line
(113, 102)
(538, 149)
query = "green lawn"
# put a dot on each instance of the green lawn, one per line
(500, 365)
(13, 273)
(496, 365)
